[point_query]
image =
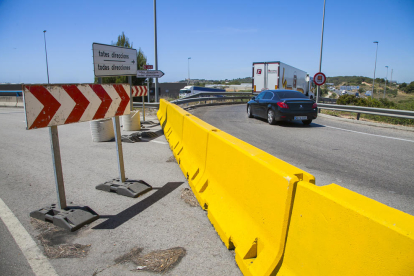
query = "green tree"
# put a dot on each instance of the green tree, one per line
(402, 85)
(409, 88)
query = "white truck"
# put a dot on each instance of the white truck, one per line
(191, 90)
(278, 75)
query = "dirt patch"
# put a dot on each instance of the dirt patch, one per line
(188, 196)
(155, 261)
(56, 241)
(129, 257)
(172, 159)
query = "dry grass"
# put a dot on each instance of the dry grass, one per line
(188, 196)
(172, 159)
(155, 261)
(53, 239)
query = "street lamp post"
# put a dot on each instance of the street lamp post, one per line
(375, 68)
(320, 60)
(47, 65)
(155, 50)
(385, 85)
(188, 81)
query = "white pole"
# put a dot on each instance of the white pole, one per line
(375, 68)
(385, 85)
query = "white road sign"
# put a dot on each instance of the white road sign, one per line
(111, 60)
(149, 74)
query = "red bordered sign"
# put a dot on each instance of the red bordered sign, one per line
(319, 78)
(53, 105)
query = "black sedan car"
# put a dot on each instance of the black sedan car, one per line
(282, 105)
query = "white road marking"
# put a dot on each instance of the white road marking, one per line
(159, 142)
(39, 263)
(382, 136)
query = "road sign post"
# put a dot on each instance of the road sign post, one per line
(57, 167)
(149, 74)
(319, 79)
(118, 61)
(112, 60)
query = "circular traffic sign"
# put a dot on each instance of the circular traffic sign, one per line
(319, 78)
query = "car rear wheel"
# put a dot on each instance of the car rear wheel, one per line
(307, 122)
(271, 117)
(249, 112)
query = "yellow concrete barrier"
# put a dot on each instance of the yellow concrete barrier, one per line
(334, 231)
(279, 222)
(192, 158)
(173, 129)
(248, 195)
(162, 111)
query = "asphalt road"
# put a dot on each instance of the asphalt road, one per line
(158, 220)
(372, 159)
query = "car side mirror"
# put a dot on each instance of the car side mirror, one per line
(254, 98)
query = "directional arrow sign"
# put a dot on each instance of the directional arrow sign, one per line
(109, 60)
(139, 90)
(53, 105)
(149, 74)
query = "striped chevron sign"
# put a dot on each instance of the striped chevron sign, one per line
(53, 105)
(138, 91)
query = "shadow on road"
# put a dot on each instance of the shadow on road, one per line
(115, 221)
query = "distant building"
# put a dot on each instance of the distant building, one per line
(167, 89)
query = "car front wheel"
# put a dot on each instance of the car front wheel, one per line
(271, 117)
(249, 112)
(307, 122)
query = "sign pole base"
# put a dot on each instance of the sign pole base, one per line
(71, 218)
(129, 188)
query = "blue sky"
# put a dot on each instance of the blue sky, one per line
(222, 38)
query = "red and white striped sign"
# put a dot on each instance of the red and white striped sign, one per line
(53, 105)
(138, 91)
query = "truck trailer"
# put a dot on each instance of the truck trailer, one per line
(272, 75)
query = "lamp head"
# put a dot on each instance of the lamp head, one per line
(375, 42)
(44, 31)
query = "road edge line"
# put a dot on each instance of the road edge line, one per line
(34, 256)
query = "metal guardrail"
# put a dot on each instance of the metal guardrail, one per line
(406, 114)
(198, 95)
(327, 100)
(199, 98)
(17, 93)
(205, 99)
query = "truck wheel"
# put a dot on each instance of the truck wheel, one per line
(249, 112)
(271, 117)
(307, 122)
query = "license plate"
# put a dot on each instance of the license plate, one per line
(300, 118)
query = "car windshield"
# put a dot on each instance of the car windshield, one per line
(182, 91)
(289, 94)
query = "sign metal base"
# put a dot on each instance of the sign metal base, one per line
(71, 218)
(129, 188)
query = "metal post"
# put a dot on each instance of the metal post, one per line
(320, 60)
(391, 76)
(47, 64)
(375, 68)
(57, 166)
(118, 142)
(155, 49)
(131, 100)
(148, 88)
(385, 85)
(143, 101)
(188, 81)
